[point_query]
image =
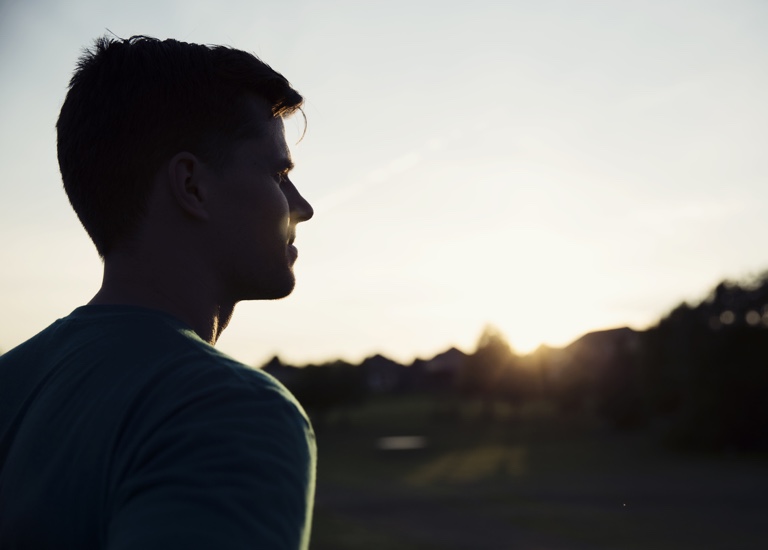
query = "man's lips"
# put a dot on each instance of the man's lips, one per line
(292, 253)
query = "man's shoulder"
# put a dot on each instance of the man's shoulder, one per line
(203, 369)
(177, 366)
(141, 358)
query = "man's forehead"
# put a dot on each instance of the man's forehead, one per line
(269, 145)
(263, 134)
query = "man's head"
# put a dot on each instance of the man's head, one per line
(133, 104)
(250, 208)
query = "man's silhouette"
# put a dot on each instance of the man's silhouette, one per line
(121, 427)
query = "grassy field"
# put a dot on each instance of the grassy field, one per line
(535, 480)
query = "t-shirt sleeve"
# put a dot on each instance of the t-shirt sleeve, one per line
(226, 464)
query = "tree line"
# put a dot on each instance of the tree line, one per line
(698, 378)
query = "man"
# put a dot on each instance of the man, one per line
(121, 427)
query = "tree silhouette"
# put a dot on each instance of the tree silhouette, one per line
(488, 374)
(701, 372)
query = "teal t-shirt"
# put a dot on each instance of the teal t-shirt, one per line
(121, 429)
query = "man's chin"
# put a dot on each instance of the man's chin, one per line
(279, 294)
(276, 289)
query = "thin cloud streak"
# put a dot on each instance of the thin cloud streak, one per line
(387, 172)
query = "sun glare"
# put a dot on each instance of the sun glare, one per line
(541, 290)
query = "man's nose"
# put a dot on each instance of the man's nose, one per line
(300, 208)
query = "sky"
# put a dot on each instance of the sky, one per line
(549, 167)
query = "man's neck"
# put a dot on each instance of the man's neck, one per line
(192, 302)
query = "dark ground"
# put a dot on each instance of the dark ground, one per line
(532, 481)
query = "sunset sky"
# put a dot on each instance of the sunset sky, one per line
(549, 167)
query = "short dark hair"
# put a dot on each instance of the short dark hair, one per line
(134, 103)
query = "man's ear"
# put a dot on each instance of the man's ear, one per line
(188, 184)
